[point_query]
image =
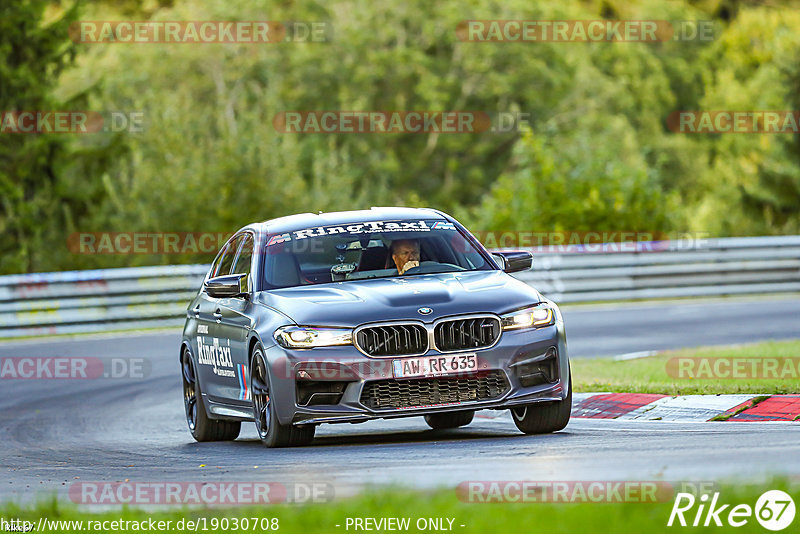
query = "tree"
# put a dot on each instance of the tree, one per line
(32, 55)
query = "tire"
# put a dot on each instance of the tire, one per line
(441, 421)
(201, 426)
(271, 432)
(543, 418)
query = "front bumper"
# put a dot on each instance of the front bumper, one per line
(512, 358)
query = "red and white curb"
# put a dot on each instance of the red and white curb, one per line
(652, 407)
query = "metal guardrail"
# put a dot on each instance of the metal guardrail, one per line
(143, 297)
(97, 300)
(668, 269)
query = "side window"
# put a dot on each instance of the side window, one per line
(227, 257)
(242, 265)
(212, 272)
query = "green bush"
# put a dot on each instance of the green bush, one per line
(597, 155)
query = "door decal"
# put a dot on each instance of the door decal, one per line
(244, 390)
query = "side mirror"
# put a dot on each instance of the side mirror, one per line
(500, 260)
(514, 260)
(230, 285)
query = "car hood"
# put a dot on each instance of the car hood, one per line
(386, 299)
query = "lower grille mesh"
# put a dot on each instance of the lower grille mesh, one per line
(426, 391)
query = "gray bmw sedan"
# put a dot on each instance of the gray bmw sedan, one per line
(350, 316)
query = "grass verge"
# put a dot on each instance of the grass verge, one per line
(567, 518)
(662, 373)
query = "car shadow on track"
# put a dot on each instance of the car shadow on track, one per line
(413, 436)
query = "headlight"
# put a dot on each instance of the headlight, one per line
(308, 337)
(533, 317)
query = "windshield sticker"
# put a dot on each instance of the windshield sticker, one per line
(360, 228)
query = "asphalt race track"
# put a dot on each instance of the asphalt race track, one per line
(612, 329)
(111, 430)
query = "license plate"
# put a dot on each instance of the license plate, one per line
(435, 365)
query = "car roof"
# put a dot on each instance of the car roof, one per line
(310, 220)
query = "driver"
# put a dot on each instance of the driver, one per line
(405, 254)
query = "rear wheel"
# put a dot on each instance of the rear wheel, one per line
(271, 432)
(201, 426)
(441, 421)
(544, 418)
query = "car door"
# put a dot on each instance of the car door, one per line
(236, 322)
(215, 363)
(202, 311)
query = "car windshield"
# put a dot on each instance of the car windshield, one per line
(357, 251)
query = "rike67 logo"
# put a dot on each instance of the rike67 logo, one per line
(774, 510)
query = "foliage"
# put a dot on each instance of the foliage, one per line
(32, 55)
(597, 154)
